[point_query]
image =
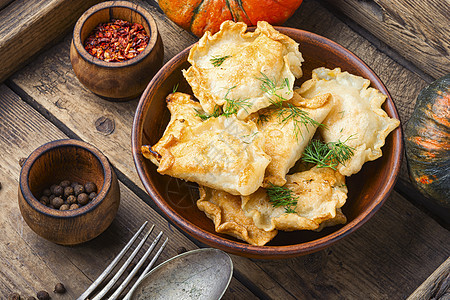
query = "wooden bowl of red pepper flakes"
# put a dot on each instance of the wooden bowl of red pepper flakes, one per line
(116, 50)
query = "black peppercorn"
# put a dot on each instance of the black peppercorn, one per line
(83, 199)
(92, 195)
(57, 202)
(14, 296)
(47, 192)
(58, 191)
(65, 183)
(22, 161)
(68, 190)
(43, 295)
(52, 188)
(74, 184)
(74, 206)
(45, 200)
(71, 199)
(78, 189)
(90, 187)
(51, 197)
(31, 298)
(64, 207)
(60, 288)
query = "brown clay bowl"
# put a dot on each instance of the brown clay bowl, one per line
(75, 161)
(116, 81)
(367, 190)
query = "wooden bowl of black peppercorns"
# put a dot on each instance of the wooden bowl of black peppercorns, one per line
(68, 192)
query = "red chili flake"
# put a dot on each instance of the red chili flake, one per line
(117, 40)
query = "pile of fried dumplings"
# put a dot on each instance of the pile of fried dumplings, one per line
(268, 155)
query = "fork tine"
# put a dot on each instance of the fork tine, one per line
(122, 268)
(130, 276)
(147, 269)
(111, 266)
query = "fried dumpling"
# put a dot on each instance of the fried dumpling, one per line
(250, 68)
(357, 117)
(184, 112)
(287, 131)
(319, 193)
(223, 153)
(225, 211)
(340, 218)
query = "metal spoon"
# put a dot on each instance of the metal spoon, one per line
(197, 274)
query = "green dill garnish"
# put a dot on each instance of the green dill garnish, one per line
(175, 88)
(269, 86)
(249, 137)
(327, 155)
(233, 105)
(204, 116)
(298, 116)
(230, 108)
(282, 196)
(217, 61)
(262, 118)
(286, 111)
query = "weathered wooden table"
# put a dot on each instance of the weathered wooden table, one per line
(405, 42)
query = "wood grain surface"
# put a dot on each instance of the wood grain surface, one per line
(4, 3)
(399, 247)
(30, 263)
(418, 30)
(437, 286)
(26, 27)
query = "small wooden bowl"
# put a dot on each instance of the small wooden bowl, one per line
(116, 81)
(75, 161)
(367, 190)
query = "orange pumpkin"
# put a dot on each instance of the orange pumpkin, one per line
(199, 16)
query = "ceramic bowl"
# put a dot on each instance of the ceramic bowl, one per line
(117, 81)
(75, 161)
(367, 190)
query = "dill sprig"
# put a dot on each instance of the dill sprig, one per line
(262, 118)
(248, 138)
(175, 88)
(282, 196)
(204, 116)
(230, 108)
(299, 118)
(286, 111)
(270, 87)
(233, 105)
(217, 61)
(327, 155)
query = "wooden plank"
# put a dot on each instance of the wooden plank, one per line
(417, 30)
(4, 3)
(26, 27)
(28, 263)
(384, 254)
(437, 286)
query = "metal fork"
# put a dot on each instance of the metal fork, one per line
(122, 269)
